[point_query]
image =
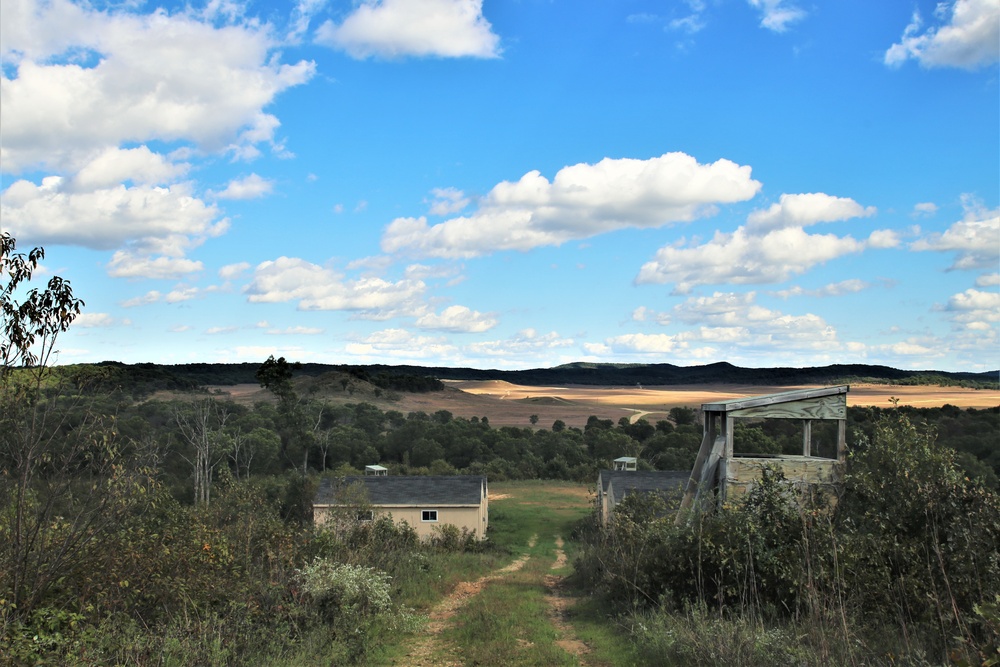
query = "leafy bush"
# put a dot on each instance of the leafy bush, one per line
(350, 593)
(904, 560)
(449, 537)
(353, 600)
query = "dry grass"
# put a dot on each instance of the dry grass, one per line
(507, 404)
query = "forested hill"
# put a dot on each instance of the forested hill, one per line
(414, 378)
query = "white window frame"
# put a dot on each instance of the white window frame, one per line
(365, 516)
(426, 514)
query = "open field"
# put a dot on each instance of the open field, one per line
(507, 404)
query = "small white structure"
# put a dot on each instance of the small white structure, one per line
(376, 470)
(624, 463)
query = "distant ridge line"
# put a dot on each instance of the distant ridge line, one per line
(588, 373)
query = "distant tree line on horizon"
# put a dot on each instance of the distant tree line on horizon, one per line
(145, 378)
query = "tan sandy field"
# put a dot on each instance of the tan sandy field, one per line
(653, 403)
(507, 404)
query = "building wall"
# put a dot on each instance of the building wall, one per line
(473, 518)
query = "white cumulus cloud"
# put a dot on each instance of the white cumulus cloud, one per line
(966, 35)
(127, 265)
(108, 217)
(742, 258)
(583, 200)
(457, 319)
(143, 84)
(316, 287)
(777, 15)
(94, 320)
(772, 247)
(975, 307)
(114, 165)
(730, 325)
(850, 286)
(400, 344)
(988, 280)
(525, 344)
(802, 210)
(975, 239)
(249, 187)
(448, 201)
(89, 92)
(422, 28)
(149, 297)
(233, 271)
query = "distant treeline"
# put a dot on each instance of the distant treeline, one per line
(146, 378)
(141, 380)
(386, 379)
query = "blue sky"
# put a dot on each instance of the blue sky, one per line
(511, 184)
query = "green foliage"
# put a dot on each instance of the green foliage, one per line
(345, 596)
(395, 380)
(752, 440)
(682, 416)
(915, 530)
(448, 537)
(699, 636)
(31, 325)
(909, 550)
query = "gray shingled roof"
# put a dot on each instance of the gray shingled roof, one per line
(425, 491)
(623, 482)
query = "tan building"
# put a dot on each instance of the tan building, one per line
(422, 502)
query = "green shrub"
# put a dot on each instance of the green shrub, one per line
(354, 601)
(449, 537)
(903, 561)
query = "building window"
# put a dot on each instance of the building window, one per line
(429, 515)
(366, 515)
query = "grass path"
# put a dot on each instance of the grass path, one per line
(524, 613)
(560, 601)
(431, 650)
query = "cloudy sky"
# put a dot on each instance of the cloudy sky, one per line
(511, 184)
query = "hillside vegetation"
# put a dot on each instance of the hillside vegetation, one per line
(144, 379)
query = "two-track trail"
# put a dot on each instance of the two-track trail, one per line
(431, 650)
(519, 614)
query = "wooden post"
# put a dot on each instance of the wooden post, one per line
(703, 453)
(807, 433)
(728, 430)
(842, 440)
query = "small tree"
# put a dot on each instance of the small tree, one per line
(682, 415)
(66, 479)
(31, 326)
(275, 375)
(201, 428)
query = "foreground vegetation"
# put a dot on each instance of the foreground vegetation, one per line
(904, 569)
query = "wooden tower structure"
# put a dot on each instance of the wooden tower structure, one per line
(720, 474)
